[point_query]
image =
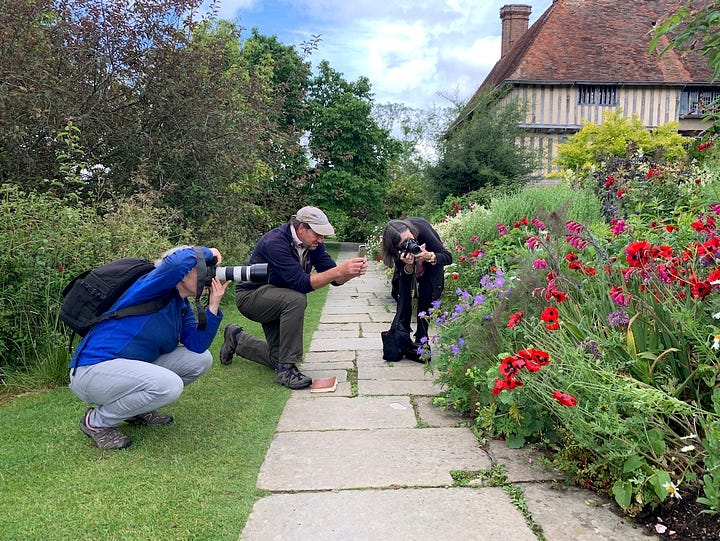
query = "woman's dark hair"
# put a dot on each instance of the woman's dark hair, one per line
(391, 239)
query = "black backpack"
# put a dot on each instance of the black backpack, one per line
(89, 296)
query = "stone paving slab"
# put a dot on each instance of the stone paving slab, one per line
(327, 344)
(336, 335)
(430, 514)
(584, 517)
(345, 318)
(397, 387)
(337, 413)
(329, 366)
(329, 356)
(374, 327)
(369, 458)
(324, 372)
(343, 389)
(355, 326)
(434, 416)
(395, 371)
(521, 465)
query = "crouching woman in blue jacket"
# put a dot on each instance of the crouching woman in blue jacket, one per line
(132, 366)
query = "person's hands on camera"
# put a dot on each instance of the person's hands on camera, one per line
(422, 256)
(217, 288)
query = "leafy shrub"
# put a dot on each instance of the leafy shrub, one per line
(617, 137)
(44, 242)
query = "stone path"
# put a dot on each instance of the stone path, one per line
(373, 460)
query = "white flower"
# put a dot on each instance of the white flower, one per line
(716, 315)
(672, 490)
(716, 343)
(690, 437)
(687, 448)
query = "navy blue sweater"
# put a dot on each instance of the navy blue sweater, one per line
(277, 249)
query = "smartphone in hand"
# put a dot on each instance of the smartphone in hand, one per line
(362, 251)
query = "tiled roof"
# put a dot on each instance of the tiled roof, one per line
(601, 41)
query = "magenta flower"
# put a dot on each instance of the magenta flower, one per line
(540, 264)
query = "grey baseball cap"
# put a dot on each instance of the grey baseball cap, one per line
(316, 219)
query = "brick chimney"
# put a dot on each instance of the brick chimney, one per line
(515, 20)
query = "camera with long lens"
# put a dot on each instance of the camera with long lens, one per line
(409, 246)
(257, 273)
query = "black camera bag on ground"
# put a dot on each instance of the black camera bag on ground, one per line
(89, 296)
(395, 341)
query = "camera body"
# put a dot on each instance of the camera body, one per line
(257, 273)
(410, 246)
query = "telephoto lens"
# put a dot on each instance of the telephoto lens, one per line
(257, 273)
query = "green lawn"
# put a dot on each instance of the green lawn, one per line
(194, 479)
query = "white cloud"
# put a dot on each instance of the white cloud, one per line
(408, 49)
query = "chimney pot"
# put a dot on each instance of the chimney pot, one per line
(515, 20)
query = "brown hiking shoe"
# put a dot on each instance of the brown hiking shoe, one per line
(107, 439)
(227, 351)
(288, 375)
(151, 418)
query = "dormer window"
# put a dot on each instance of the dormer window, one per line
(698, 102)
(597, 95)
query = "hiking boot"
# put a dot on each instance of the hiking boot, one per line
(289, 376)
(107, 439)
(230, 344)
(151, 418)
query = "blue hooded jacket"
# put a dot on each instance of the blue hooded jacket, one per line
(146, 337)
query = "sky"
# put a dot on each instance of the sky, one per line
(414, 52)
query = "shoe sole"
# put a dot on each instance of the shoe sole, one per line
(229, 360)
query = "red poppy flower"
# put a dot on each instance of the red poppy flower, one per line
(550, 314)
(714, 276)
(454, 276)
(510, 366)
(515, 319)
(565, 399)
(539, 356)
(559, 296)
(476, 253)
(636, 253)
(553, 326)
(701, 289)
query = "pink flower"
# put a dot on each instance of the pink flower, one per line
(540, 264)
(502, 230)
(618, 226)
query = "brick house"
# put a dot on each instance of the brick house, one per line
(584, 57)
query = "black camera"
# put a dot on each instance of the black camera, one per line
(257, 273)
(409, 246)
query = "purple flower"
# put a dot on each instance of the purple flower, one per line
(618, 318)
(436, 304)
(591, 347)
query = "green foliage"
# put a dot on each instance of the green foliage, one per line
(351, 152)
(44, 242)
(618, 136)
(482, 150)
(690, 28)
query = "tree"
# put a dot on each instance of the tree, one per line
(694, 25)
(351, 153)
(482, 151)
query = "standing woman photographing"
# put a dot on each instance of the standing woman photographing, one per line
(416, 251)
